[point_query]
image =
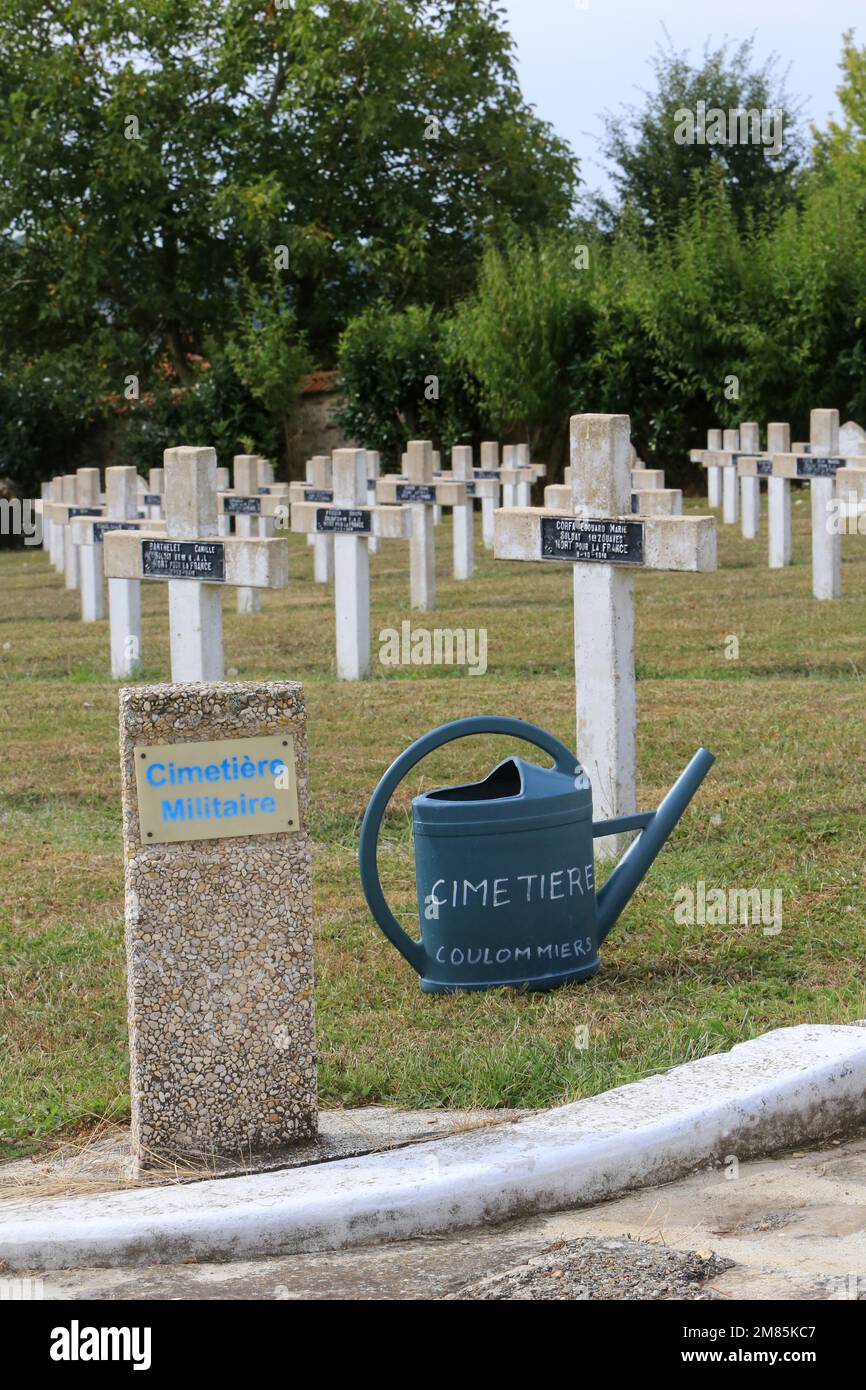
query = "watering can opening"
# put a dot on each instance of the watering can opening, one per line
(505, 781)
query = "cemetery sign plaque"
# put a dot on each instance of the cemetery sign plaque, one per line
(764, 468)
(318, 494)
(606, 541)
(84, 511)
(201, 560)
(348, 519)
(152, 499)
(216, 790)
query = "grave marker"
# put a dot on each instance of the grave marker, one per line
(820, 467)
(318, 488)
(351, 522)
(852, 440)
(79, 497)
(218, 926)
(374, 471)
(606, 543)
(489, 471)
(750, 485)
(418, 491)
(778, 493)
(88, 538)
(714, 477)
(196, 563)
(124, 595)
(245, 506)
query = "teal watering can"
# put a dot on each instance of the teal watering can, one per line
(504, 867)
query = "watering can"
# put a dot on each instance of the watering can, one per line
(504, 867)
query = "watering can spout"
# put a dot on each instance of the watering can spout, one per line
(655, 827)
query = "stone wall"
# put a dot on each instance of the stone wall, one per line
(316, 431)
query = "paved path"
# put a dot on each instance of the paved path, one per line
(794, 1226)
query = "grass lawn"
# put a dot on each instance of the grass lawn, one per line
(782, 809)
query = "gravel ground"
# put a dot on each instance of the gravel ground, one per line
(589, 1269)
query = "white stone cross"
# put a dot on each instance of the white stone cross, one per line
(606, 543)
(488, 471)
(750, 484)
(351, 522)
(487, 489)
(517, 475)
(124, 595)
(714, 477)
(725, 460)
(374, 471)
(244, 504)
(852, 439)
(750, 470)
(79, 497)
(819, 467)
(418, 491)
(318, 488)
(196, 562)
(655, 500)
(151, 499)
(50, 530)
(122, 498)
(256, 506)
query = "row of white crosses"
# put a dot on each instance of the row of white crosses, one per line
(829, 472)
(606, 543)
(649, 496)
(195, 561)
(256, 503)
(419, 492)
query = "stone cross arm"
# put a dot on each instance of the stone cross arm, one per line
(91, 530)
(443, 493)
(641, 542)
(793, 465)
(475, 487)
(385, 522)
(233, 560)
(272, 503)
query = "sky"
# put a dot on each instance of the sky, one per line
(576, 58)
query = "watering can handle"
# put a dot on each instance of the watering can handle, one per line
(367, 849)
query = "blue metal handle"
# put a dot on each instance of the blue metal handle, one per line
(369, 842)
(631, 869)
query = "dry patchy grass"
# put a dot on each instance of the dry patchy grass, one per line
(783, 808)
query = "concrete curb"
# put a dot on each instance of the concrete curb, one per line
(789, 1087)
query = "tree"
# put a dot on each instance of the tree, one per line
(157, 161)
(521, 331)
(400, 381)
(671, 146)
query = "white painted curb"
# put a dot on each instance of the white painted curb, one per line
(784, 1089)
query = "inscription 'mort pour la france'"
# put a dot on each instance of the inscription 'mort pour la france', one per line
(201, 560)
(603, 540)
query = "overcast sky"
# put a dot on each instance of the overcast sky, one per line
(577, 57)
